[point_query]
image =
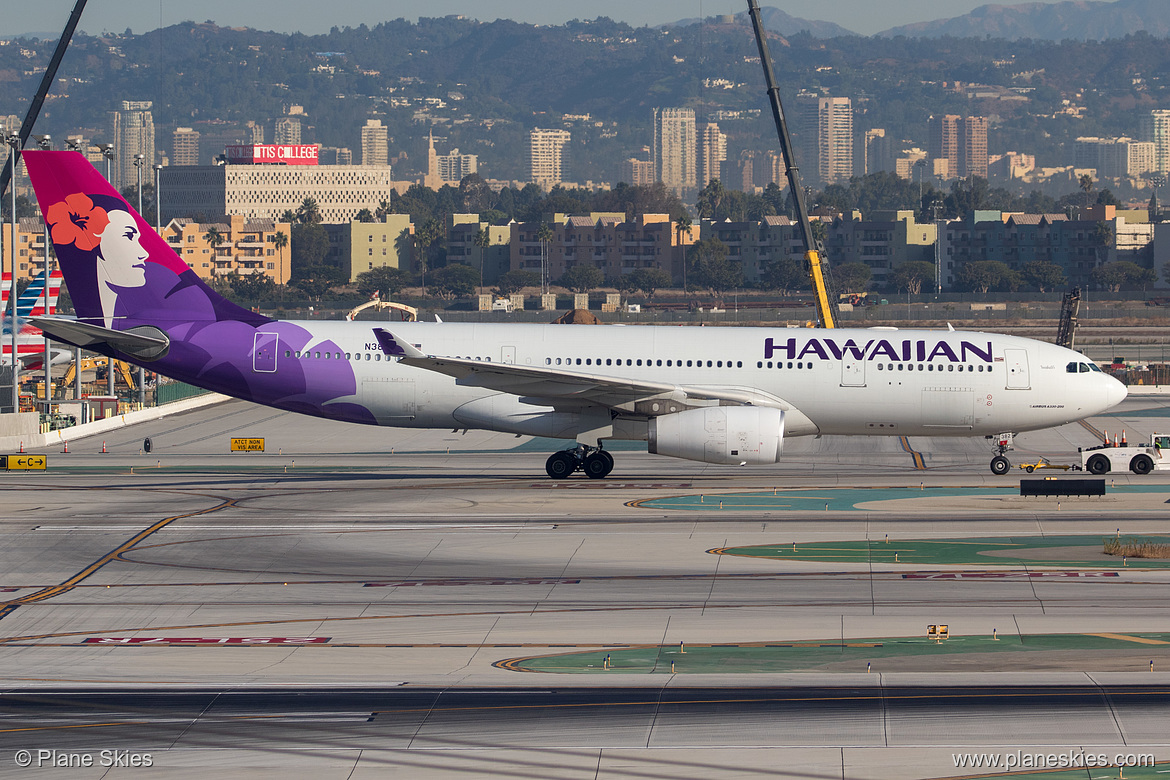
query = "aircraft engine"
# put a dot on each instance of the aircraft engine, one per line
(731, 435)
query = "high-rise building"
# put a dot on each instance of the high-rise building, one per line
(943, 141)
(185, 146)
(132, 128)
(288, 131)
(375, 139)
(1114, 158)
(876, 153)
(712, 152)
(454, 166)
(824, 138)
(962, 142)
(637, 172)
(1156, 130)
(255, 132)
(547, 156)
(675, 163)
(973, 146)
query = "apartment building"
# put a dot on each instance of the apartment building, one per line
(246, 246)
(883, 241)
(363, 246)
(494, 259)
(604, 240)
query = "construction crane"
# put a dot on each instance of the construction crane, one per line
(812, 257)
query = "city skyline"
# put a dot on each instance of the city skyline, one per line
(861, 16)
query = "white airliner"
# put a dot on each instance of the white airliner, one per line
(717, 395)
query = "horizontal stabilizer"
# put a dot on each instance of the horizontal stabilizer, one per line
(144, 343)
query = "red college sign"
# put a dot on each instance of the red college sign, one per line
(281, 154)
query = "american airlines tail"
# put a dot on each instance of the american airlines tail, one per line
(30, 342)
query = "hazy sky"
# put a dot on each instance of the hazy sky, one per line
(314, 16)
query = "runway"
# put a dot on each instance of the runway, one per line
(340, 602)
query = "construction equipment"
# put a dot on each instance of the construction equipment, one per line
(811, 256)
(409, 313)
(1066, 329)
(98, 364)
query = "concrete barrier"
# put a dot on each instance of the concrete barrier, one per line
(37, 439)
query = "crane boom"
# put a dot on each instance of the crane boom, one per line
(811, 255)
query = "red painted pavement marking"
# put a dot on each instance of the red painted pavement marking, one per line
(408, 584)
(190, 640)
(999, 575)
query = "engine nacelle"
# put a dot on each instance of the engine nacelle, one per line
(720, 434)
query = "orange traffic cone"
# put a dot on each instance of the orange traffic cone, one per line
(22, 448)
(1123, 437)
(104, 450)
(66, 450)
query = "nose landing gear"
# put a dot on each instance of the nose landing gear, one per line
(594, 461)
(1000, 465)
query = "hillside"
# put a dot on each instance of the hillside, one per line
(1079, 20)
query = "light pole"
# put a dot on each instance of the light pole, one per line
(74, 145)
(45, 142)
(108, 153)
(13, 142)
(139, 161)
(158, 199)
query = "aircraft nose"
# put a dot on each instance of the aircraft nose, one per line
(1115, 392)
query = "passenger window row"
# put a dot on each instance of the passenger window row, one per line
(318, 355)
(637, 362)
(931, 367)
(780, 364)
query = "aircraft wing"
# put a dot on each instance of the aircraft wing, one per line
(558, 387)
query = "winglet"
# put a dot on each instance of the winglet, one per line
(394, 346)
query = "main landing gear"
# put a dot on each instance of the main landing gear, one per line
(1000, 465)
(594, 461)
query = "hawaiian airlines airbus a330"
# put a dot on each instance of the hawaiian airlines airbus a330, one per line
(716, 395)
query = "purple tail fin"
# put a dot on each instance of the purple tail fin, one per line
(119, 271)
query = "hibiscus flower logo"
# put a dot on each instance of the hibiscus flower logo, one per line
(77, 221)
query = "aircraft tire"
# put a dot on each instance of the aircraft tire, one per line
(1000, 465)
(560, 465)
(1141, 464)
(1098, 464)
(598, 465)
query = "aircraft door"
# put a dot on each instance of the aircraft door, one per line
(507, 354)
(264, 347)
(1016, 364)
(852, 372)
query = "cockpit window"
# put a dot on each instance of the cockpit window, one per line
(1085, 368)
(1071, 368)
(1093, 367)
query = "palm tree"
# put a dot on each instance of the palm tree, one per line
(215, 239)
(425, 235)
(483, 239)
(683, 225)
(365, 215)
(544, 236)
(279, 242)
(383, 209)
(309, 213)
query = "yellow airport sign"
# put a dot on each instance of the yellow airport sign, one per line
(247, 445)
(24, 462)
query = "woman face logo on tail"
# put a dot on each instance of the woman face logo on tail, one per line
(111, 234)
